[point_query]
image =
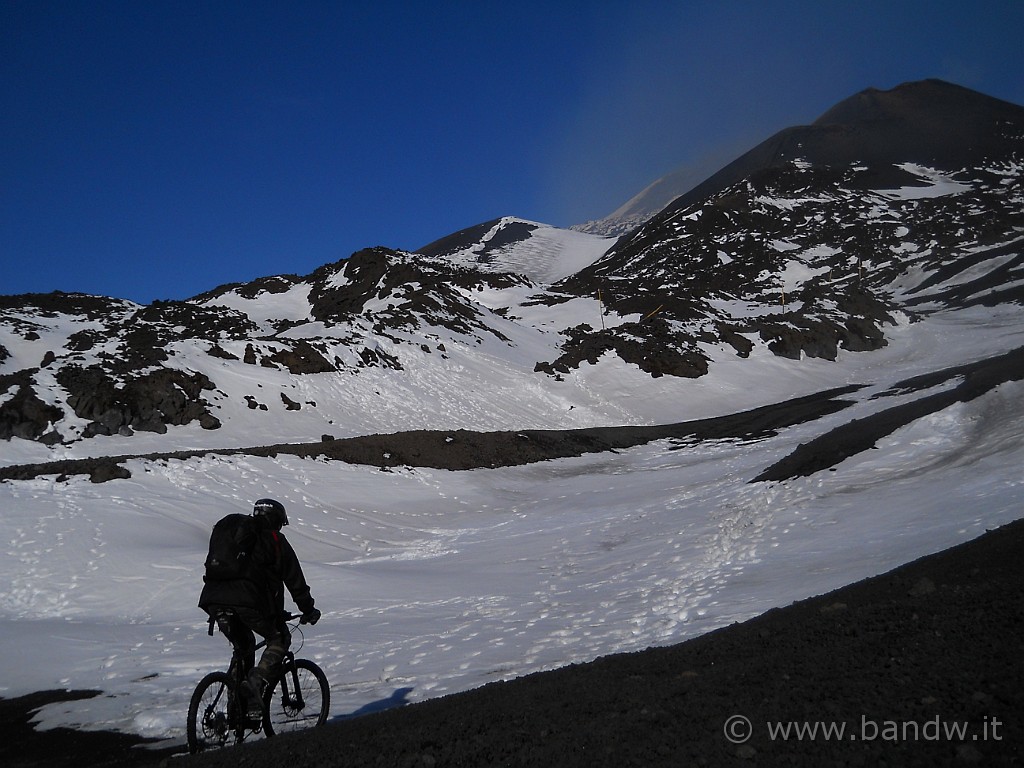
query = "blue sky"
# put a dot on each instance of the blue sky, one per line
(156, 149)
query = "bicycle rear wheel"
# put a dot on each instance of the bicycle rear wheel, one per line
(209, 713)
(300, 698)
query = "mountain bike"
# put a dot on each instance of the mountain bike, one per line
(298, 697)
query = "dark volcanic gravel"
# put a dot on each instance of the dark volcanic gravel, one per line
(463, 449)
(899, 661)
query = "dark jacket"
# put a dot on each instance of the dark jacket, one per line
(273, 567)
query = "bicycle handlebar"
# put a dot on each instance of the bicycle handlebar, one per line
(286, 616)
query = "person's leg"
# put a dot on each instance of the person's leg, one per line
(239, 635)
(278, 639)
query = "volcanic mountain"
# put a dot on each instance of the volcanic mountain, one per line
(892, 207)
(901, 201)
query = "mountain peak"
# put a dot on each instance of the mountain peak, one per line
(931, 122)
(918, 100)
(928, 122)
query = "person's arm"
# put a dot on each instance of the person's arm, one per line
(293, 578)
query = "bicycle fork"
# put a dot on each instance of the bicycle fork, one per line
(291, 691)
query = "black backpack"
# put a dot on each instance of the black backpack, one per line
(231, 545)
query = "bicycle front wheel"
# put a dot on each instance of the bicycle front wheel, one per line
(209, 713)
(299, 699)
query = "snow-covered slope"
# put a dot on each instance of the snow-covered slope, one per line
(381, 342)
(542, 253)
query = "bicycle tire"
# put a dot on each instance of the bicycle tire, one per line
(284, 711)
(209, 720)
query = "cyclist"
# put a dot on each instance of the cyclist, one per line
(255, 601)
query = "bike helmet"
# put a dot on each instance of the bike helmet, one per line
(273, 511)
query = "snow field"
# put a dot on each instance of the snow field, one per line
(433, 582)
